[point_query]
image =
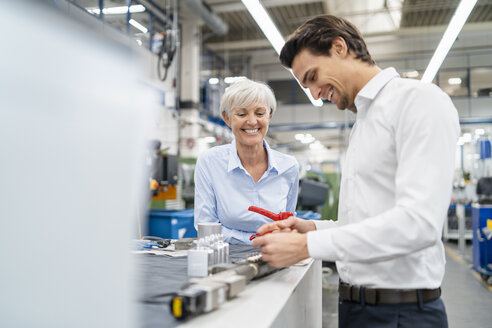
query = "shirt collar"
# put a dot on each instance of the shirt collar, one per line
(235, 162)
(372, 88)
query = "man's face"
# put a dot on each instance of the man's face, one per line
(249, 125)
(326, 77)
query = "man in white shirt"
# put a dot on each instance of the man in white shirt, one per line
(395, 188)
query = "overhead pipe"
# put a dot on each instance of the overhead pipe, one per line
(213, 21)
(157, 11)
(308, 126)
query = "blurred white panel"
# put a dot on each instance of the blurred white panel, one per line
(73, 123)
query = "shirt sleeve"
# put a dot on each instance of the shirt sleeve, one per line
(205, 203)
(233, 236)
(426, 132)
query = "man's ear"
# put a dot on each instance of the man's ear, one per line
(226, 119)
(339, 47)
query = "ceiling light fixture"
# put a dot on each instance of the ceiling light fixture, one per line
(410, 74)
(479, 132)
(117, 10)
(273, 35)
(299, 136)
(455, 25)
(138, 26)
(454, 81)
(232, 79)
(317, 145)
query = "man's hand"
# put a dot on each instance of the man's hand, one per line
(283, 248)
(289, 224)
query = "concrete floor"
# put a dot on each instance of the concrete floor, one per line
(468, 299)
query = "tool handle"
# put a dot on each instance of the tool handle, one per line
(285, 215)
(268, 214)
(264, 212)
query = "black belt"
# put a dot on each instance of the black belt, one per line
(360, 294)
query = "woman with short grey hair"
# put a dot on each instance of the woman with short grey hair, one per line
(245, 92)
(230, 178)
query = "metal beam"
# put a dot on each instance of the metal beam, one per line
(239, 45)
(308, 126)
(238, 6)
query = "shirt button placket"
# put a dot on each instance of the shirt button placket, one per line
(257, 194)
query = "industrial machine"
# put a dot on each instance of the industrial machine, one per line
(312, 194)
(482, 240)
(164, 177)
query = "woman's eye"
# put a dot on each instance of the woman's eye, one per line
(241, 115)
(260, 114)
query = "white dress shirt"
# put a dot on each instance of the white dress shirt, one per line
(395, 189)
(224, 190)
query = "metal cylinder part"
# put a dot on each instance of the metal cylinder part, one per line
(208, 228)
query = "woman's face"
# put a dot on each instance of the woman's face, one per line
(249, 124)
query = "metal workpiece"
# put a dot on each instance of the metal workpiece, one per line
(198, 298)
(247, 270)
(184, 243)
(234, 282)
(206, 294)
(198, 260)
(215, 294)
(206, 229)
(207, 252)
(235, 285)
(252, 267)
(202, 296)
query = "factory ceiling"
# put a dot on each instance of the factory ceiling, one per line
(371, 16)
(392, 29)
(244, 38)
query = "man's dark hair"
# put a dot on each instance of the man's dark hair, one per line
(317, 35)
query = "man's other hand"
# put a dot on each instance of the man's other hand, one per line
(283, 248)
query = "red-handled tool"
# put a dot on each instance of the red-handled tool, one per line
(270, 215)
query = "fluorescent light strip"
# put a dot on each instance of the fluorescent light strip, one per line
(137, 25)
(265, 23)
(273, 35)
(117, 10)
(455, 25)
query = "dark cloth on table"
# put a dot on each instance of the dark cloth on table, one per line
(157, 274)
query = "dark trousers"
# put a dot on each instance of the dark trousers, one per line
(426, 315)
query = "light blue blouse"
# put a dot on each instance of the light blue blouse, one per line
(224, 190)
